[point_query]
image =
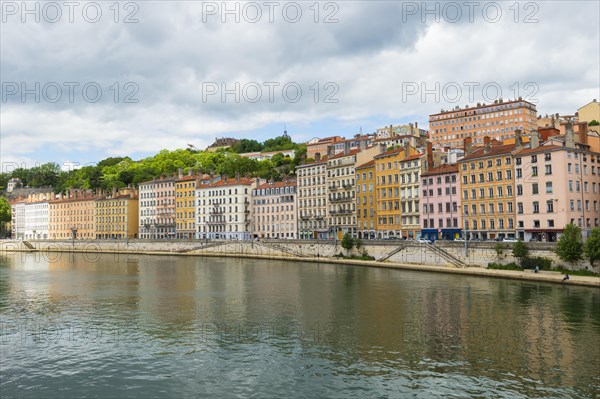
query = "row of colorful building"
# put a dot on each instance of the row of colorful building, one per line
(511, 177)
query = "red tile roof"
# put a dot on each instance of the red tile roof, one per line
(187, 178)
(541, 148)
(495, 150)
(366, 165)
(390, 152)
(416, 156)
(440, 170)
(341, 154)
(230, 182)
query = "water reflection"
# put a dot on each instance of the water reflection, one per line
(151, 324)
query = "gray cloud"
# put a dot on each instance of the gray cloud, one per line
(369, 54)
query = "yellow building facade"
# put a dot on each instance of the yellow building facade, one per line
(185, 209)
(487, 181)
(72, 216)
(366, 200)
(387, 167)
(117, 215)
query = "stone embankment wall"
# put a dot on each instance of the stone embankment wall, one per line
(479, 254)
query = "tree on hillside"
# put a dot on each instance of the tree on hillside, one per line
(279, 143)
(5, 215)
(570, 246)
(592, 246)
(247, 145)
(520, 251)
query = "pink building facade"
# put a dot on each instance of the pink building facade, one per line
(275, 210)
(157, 208)
(556, 183)
(441, 217)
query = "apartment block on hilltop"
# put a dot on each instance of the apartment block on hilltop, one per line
(497, 121)
(317, 147)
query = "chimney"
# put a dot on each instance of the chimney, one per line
(237, 177)
(391, 130)
(330, 151)
(429, 164)
(518, 139)
(417, 126)
(318, 156)
(583, 132)
(114, 190)
(569, 135)
(487, 144)
(468, 145)
(190, 172)
(346, 147)
(180, 173)
(406, 149)
(382, 148)
(534, 139)
(362, 145)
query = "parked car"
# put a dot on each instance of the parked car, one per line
(424, 241)
(535, 239)
(509, 239)
(459, 239)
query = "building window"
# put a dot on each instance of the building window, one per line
(536, 207)
(548, 169)
(548, 187)
(534, 188)
(519, 189)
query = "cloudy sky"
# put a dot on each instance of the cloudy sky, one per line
(83, 82)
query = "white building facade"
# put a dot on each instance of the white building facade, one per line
(312, 201)
(18, 221)
(36, 220)
(223, 209)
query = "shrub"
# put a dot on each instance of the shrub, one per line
(531, 263)
(508, 266)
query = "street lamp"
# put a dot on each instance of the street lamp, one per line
(465, 213)
(73, 234)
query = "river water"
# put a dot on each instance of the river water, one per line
(91, 325)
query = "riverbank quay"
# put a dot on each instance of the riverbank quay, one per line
(394, 255)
